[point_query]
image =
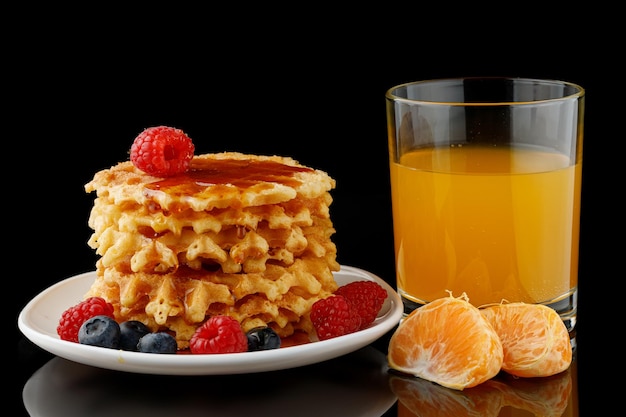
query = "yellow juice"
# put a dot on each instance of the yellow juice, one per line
(497, 223)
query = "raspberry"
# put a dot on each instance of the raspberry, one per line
(74, 317)
(162, 151)
(334, 316)
(366, 296)
(219, 334)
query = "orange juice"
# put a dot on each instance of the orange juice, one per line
(497, 223)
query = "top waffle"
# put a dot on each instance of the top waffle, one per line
(221, 180)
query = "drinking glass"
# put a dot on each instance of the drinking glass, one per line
(486, 189)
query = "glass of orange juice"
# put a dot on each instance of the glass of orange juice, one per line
(486, 189)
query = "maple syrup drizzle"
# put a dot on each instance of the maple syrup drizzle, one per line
(228, 172)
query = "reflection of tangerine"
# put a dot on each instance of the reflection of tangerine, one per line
(534, 338)
(447, 341)
(545, 396)
(418, 397)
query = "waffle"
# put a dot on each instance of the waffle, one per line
(247, 236)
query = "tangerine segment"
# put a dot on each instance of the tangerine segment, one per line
(534, 338)
(447, 341)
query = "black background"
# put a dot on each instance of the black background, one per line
(307, 86)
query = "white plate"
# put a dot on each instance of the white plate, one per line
(39, 318)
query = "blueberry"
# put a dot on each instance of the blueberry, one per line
(159, 342)
(262, 338)
(131, 332)
(101, 331)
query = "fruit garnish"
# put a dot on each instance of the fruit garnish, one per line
(367, 297)
(130, 333)
(352, 307)
(534, 338)
(72, 318)
(102, 331)
(334, 316)
(162, 151)
(447, 341)
(219, 334)
(159, 342)
(262, 338)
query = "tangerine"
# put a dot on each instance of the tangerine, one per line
(447, 341)
(534, 338)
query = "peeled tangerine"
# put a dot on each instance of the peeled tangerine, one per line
(447, 341)
(535, 340)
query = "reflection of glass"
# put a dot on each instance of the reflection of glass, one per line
(502, 396)
(355, 384)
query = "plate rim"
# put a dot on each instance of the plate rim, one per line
(215, 364)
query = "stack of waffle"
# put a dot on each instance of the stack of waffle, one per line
(247, 236)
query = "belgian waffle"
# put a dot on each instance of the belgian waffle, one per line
(243, 235)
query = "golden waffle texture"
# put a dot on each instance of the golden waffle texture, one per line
(247, 236)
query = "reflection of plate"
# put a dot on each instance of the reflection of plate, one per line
(356, 384)
(38, 321)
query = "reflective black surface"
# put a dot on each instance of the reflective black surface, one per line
(77, 98)
(356, 384)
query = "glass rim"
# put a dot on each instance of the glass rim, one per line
(579, 92)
